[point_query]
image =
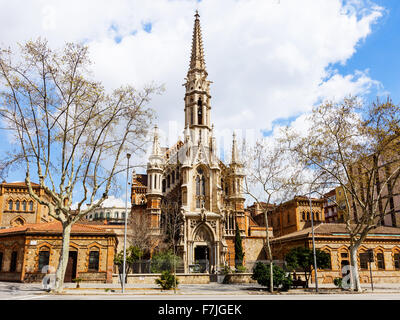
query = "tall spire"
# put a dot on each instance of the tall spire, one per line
(156, 150)
(235, 154)
(197, 56)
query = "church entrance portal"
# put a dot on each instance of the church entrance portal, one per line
(202, 258)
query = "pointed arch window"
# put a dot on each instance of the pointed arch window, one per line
(30, 205)
(10, 205)
(200, 111)
(44, 257)
(396, 260)
(380, 258)
(24, 205)
(200, 187)
(93, 261)
(17, 205)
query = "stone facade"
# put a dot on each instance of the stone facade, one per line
(295, 215)
(333, 239)
(29, 241)
(18, 208)
(207, 192)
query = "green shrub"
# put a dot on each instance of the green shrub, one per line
(337, 282)
(164, 261)
(226, 269)
(261, 273)
(240, 269)
(167, 280)
(287, 283)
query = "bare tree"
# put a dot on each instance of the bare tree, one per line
(270, 176)
(68, 131)
(173, 222)
(357, 148)
(140, 236)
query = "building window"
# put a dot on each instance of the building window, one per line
(10, 205)
(329, 267)
(363, 260)
(17, 205)
(200, 112)
(108, 215)
(200, 187)
(96, 215)
(13, 265)
(396, 258)
(317, 216)
(304, 215)
(24, 205)
(173, 177)
(116, 214)
(168, 181)
(380, 260)
(94, 261)
(163, 186)
(101, 215)
(30, 205)
(1, 261)
(308, 216)
(44, 257)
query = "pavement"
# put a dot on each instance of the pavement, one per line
(8, 289)
(25, 291)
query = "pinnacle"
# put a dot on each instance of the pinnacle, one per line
(197, 56)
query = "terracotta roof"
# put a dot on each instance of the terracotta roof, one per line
(338, 229)
(141, 180)
(53, 227)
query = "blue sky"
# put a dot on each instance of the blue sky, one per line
(380, 51)
(270, 61)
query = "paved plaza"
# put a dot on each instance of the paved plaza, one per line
(213, 291)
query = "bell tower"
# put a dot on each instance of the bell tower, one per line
(154, 189)
(197, 97)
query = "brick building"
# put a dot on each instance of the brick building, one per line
(18, 208)
(26, 250)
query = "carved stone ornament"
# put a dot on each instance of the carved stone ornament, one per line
(202, 235)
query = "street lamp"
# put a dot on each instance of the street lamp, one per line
(313, 240)
(128, 155)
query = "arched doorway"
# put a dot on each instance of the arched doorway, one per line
(203, 250)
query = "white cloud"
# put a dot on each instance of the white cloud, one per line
(268, 59)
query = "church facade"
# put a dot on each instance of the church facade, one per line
(206, 192)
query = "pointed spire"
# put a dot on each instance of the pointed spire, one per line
(197, 56)
(235, 154)
(156, 143)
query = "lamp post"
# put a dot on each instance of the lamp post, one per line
(128, 155)
(313, 243)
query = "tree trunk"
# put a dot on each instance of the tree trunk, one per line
(63, 261)
(271, 264)
(355, 283)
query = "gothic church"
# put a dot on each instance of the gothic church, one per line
(207, 192)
